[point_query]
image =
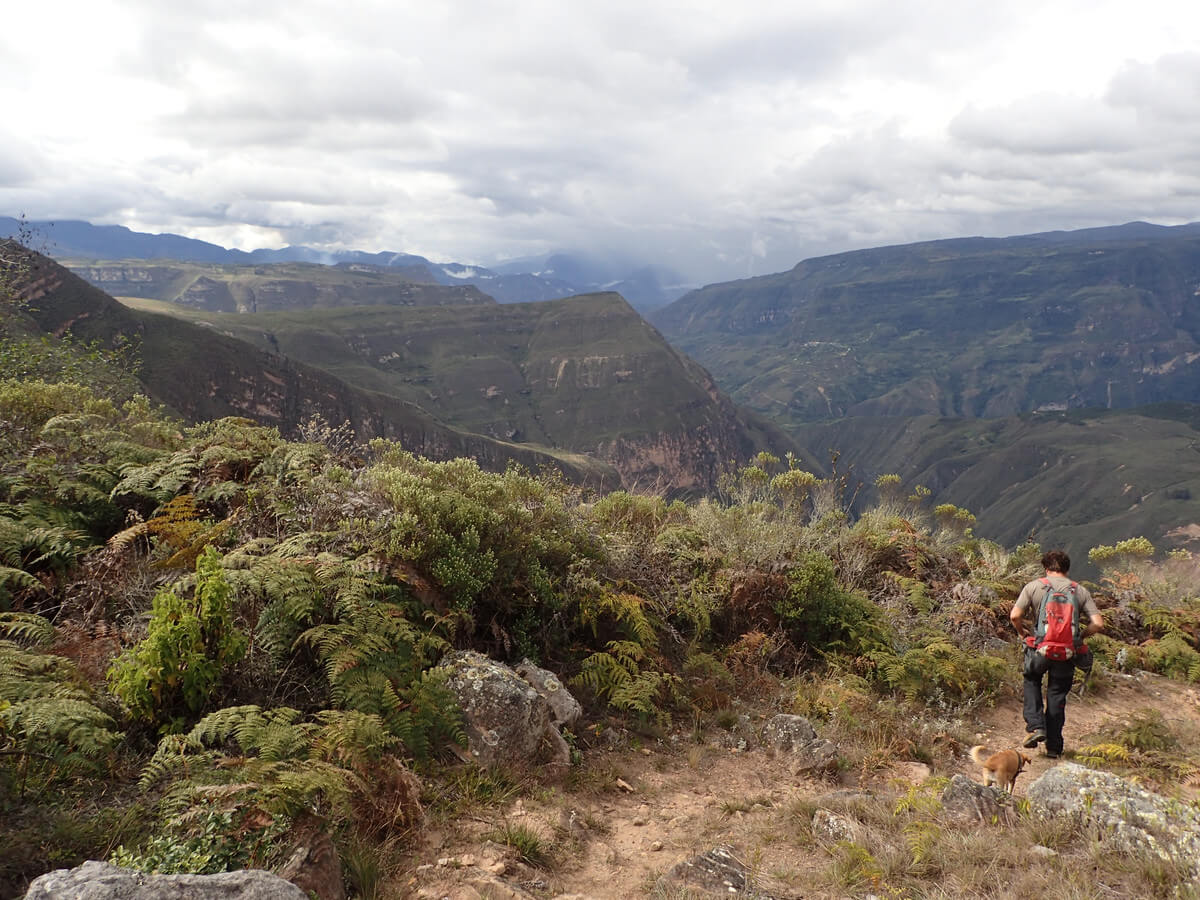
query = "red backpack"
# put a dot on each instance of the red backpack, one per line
(1057, 635)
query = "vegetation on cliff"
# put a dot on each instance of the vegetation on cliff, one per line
(212, 634)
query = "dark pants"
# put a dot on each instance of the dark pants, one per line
(1050, 715)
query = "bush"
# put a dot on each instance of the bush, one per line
(819, 613)
(172, 675)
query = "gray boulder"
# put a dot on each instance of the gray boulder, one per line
(507, 721)
(784, 733)
(968, 802)
(795, 736)
(831, 826)
(1122, 814)
(564, 708)
(718, 873)
(102, 881)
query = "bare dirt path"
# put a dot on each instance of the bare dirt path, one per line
(627, 817)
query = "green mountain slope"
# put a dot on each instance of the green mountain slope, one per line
(585, 374)
(272, 286)
(1106, 318)
(202, 374)
(1074, 479)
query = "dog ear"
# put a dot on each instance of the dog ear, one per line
(1025, 758)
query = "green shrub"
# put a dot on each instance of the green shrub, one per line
(817, 612)
(173, 674)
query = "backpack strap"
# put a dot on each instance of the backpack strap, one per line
(1039, 628)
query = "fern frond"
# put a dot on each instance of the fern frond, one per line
(26, 628)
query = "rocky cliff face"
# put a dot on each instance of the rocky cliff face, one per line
(962, 328)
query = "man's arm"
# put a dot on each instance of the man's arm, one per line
(1017, 616)
(1095, 626)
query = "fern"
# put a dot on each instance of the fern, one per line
(939, 669)
(25, 628)
(374, 659)
(627, 610)
(49, 720)
(915, 592)
(620, 675)
(285, 763)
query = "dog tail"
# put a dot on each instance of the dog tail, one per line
(979, 754)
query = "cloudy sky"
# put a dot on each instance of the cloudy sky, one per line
(721, 138)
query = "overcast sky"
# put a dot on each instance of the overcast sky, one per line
(721, 138)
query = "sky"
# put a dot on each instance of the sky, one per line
(719, 139)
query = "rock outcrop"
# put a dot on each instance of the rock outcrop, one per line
(1123, 815)
(564, 708)
(101, 881)
(968, 802)
(507, 721)
(795, 737)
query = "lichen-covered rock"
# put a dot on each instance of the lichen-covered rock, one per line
(784, 733)
(564, 708)
(718, 873)
(507, 722)
(101, 881)
(795, 736)
(1124, 815)
(971, 803)
(831, 826)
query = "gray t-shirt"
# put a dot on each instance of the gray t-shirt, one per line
(1034, 593)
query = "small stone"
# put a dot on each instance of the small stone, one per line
(645, 751)
(467, 859)
(444, 861)
(655, 846)
(638, 820)
(624, 785)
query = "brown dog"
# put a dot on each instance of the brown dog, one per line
(1002, 767)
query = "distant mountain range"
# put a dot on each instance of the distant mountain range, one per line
(527, 280)
(1049, 383)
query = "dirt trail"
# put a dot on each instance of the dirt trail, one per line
(685, 798)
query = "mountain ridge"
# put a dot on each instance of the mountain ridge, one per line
(515, 282)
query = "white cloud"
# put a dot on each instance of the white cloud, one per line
(718, 137)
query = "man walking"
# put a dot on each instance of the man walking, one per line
(1048, 647)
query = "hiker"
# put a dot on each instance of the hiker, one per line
(1053, 647)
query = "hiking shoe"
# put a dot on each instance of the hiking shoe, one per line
(1052, 754)
(1034, 738)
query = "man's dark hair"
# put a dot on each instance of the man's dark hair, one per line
(1056, 561)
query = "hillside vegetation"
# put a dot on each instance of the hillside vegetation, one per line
(214, 636)
(1074, 479)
